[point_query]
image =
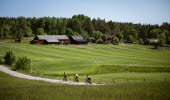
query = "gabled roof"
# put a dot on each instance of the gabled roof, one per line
(52, 40)
(111, 36)
(52, 37)
(153, 40)
(78, 38)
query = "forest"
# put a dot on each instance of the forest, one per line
(93, 30)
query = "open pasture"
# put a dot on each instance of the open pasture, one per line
(100, 61)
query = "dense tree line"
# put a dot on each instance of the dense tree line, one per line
(95, 30)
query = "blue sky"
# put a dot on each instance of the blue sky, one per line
(136, 11)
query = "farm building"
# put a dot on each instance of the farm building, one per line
(110, 38)
(77, 40)
(153, 41)
(51, 39)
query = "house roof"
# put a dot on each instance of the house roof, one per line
(52, 37)
(154, 40)
(78, 38)
(52, 40)
(111, 36)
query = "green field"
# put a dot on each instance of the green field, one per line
(12, 88)
(132, 71)
(111, 62)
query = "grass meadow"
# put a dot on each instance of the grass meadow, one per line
(12, 88)
(131, 72)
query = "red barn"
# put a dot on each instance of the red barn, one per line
(51, 39)
(77, 40)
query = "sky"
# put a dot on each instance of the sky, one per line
(135, 11)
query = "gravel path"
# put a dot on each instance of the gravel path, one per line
(20, 75)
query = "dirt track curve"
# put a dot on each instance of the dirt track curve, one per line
(21, 75)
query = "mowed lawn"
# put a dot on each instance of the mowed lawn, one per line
(53, 60)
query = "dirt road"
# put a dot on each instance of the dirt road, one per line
(21, 75)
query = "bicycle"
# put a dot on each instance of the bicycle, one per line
(76, 79)
(88, 81)
(65, 78)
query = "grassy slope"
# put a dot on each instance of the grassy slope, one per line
(51, 60)
(12, 88)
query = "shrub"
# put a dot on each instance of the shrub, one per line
(10, 58)
(99, 41)
(146, 41)
(156, 44)
(1, 61)
(97, 35)
(119, 36)
(131, 39)
(141, 41)
(23, 63)
(116, 40)
(161, 43)
(104, 37)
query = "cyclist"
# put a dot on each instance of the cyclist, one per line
(65, 77)
(76, 78)
(88, 79)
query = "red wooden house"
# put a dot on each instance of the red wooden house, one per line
(51, 39)
(77, 40)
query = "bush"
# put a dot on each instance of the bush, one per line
(141, 41)
(104, 37)
(97, 35)
(1, 61)
(161, 43)
(116, 40)
(156, 44)
(119, 36)
(147, 42)
(23, 63)
(10, 58)
(131, 39)
(99, 41)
